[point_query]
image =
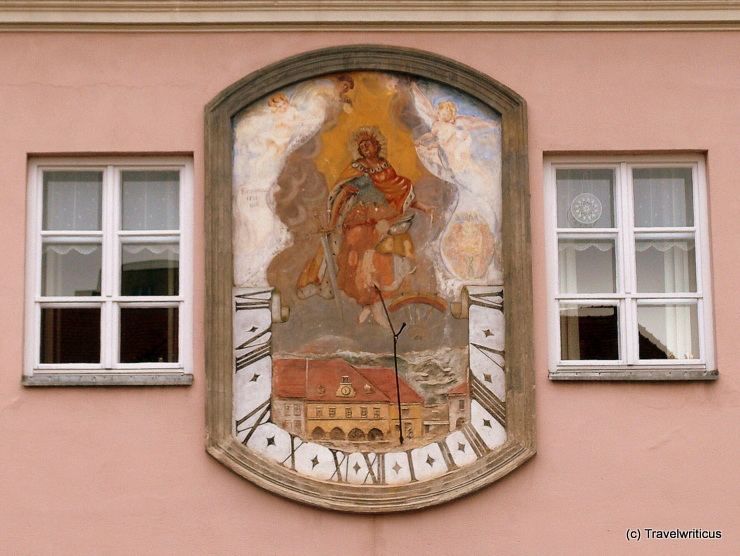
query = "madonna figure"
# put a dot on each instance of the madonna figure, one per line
(368, 223)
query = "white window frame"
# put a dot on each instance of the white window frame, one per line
(626, 297)
(108, 371)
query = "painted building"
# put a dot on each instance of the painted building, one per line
(458, 404)
(634, 307)
(329, 399)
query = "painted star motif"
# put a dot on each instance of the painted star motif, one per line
(396, 468)
(487, 378)
(356, 467)
(487, 332)
(487, 423)
(430, 461)
(270, 440)
(314, 462)
(255, 377)
(460, 447)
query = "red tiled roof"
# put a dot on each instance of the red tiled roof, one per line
(302, 378)
(461, 388)
(328, 373)
(385, 379)
(289, 378)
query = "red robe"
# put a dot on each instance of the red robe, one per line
(365, 256)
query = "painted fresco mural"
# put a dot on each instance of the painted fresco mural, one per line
(368, 205)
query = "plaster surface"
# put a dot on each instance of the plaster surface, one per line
(124, 470)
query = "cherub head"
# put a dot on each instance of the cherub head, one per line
(346, 83)
(279, 102)
(447, 111)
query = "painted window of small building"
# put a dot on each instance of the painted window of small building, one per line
(109, 279)
(348, 412)
(332, 412)
(628, 268)
(319, 411)
(376, 412)
(363, 412)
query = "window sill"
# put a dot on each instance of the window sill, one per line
(635, 373)
(108, 379)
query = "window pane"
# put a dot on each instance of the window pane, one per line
(588, 332)
(70, 335)
(149, 335)
(663, 197)
(668, 331)
(150, 200)
(586, 266)
(150, 268)
(70, 269)
(585, 198)
(665, 266)
(72, 200)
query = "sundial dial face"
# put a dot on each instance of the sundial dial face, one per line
(368, 329)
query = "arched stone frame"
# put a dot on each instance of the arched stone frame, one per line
(520, 444)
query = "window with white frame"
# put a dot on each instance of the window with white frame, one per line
(628, 268)
(109, 278)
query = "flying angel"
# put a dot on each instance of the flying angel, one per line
(465, 151)
(264, 136)
(447, 149)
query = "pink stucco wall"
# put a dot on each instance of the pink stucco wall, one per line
(124, 470)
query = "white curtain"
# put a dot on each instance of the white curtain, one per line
(663, 199)
(678, 338)
(592, 280)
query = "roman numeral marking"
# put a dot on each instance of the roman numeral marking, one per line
(264, 407)
(252, 356)
(489, 352)
(379, 461)
(338, 462)
(251, 301)
(411, 466)
(485, 350)
(493, 300)
(293, 448)
(488, 400)
(447, 455)
(257, 350)
(475, 440)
